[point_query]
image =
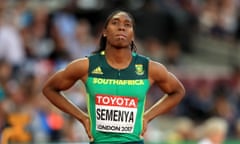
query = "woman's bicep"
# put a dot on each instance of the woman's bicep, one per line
(171, 85)
(65, 78)
(166, 81)
(60, 81)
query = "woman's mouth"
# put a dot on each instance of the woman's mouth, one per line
(121, 36)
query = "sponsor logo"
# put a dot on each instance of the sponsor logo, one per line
(120, 101)
(97, 70)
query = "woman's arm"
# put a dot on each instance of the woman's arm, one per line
(63, 80)
(170, 85)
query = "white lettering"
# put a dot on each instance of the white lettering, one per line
(116, 101)
(113, 99)
(99, 98)
(106, 100)
(132, 103)
(120, 101)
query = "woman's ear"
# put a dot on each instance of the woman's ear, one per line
(104, 33)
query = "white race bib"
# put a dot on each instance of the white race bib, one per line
(115, 113)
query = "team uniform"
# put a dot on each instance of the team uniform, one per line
(116, 99)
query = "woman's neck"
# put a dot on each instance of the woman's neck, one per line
(118, 58)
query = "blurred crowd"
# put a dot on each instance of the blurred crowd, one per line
(39, 37)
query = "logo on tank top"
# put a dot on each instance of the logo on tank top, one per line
(97, 70)
(139, 69)
(115, 114)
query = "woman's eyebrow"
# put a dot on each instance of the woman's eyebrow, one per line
(118, 19)
(115, 19)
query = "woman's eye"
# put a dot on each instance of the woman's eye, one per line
(114, 22)
(128, 25)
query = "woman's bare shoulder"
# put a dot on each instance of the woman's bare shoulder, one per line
(157, 71)
(78, 67)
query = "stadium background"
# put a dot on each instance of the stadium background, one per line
(197, 40)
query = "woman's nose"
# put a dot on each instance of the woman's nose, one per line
(121, 27)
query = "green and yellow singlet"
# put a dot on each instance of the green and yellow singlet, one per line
(116, 99)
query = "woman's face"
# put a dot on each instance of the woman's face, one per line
(119, 31)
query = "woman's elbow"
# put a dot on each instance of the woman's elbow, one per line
(45, 90)
(181, 91)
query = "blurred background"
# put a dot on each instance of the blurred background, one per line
(197, 40)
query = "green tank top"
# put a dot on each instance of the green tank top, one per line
(116, 99)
